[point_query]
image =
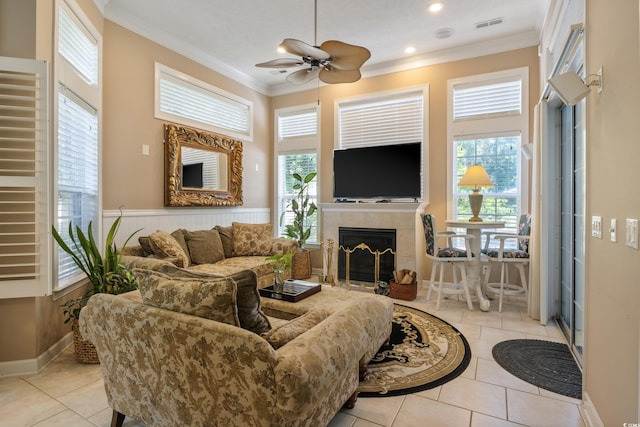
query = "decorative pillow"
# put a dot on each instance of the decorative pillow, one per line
(205, 246)
(145, 244)
(281, 335)
(179, 236)
(226, 235)
(211, 298)
(166, 246)
(250, 312)
(251, 239)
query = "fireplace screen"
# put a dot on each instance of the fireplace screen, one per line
(362, 262)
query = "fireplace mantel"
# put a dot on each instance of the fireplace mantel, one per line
(403, 217)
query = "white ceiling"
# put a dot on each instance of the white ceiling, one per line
(231, 36)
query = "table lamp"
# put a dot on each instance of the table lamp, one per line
(475, 177)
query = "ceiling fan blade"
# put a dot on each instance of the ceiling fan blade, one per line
(345, 56)
(300, 48)
(339, 76)
(281, 63)
(303, 76)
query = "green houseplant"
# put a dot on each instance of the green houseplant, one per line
(303, 209)
(280, 263)
(105, 272)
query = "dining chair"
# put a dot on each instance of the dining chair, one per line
(447, 255)
(517, 257)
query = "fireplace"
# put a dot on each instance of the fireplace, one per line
(362, 262)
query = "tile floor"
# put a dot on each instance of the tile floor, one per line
(69, 394)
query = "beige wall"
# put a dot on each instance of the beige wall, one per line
(135, 181)
(436, 77)
(613, 285)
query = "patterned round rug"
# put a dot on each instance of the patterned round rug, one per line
(546, 364)
(424, 352)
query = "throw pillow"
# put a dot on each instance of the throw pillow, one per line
(250, 313)
(205, 246)
(210, 298)
(251, 239)
(226, 235)
(166, 246)
(145, 244)
(281, 335)
(179, 236)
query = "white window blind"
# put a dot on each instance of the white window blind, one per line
(486, 99)
(298, 124)
(24, 169)
(78, 168)
(186, 100)
(394, 119)
(77, 45)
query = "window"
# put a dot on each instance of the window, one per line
(384, 119)
(297, 141)
(183, 99)
(488, 124)
(77, 136)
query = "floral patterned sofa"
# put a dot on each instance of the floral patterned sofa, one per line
(187, 349)
(221, 251)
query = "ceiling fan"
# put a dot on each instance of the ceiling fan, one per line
(332, 62)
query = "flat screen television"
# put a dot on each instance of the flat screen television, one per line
(378, 172)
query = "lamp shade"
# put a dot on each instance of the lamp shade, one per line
(475, 177)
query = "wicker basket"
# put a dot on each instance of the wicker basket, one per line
(84, 350)
(301, 265)
(406, 292)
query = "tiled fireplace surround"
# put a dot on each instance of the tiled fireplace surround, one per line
(403, 217)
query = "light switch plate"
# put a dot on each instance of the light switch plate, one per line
(632, 233)
(614, 229)
(596, 226)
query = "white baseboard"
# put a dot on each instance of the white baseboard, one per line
(33, 366)
(589, 413)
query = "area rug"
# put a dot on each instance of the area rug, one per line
(548, 365)
(424, 352)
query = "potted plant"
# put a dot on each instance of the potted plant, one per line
(300, 229)
(280, 263)
(105, 272)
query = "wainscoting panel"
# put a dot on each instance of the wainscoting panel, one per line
(171, 219)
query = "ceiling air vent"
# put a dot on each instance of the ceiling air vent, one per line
(489, 23)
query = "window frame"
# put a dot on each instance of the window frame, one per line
(68, 79)
(292, 146)
(207, 89)
(493, 125)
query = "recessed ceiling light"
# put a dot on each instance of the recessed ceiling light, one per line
(410, 50)
(436, 6)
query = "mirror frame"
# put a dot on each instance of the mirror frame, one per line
(176, 137)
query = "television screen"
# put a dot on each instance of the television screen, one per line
(381, 172)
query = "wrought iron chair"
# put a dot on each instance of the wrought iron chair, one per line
(518, 258)
(441, 256)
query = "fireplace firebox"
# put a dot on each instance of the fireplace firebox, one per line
(362, 262)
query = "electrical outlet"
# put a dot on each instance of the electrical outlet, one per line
(596, 227)
(632, 233)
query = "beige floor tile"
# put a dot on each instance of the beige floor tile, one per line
(492, 373)
(417, 411)
(482, 420)
(489, 337)
(21, 404)
(486, 398)
(541, 411)
(432, 393)
(483, 318)
(528, 326)
(379, 410)
(471, 370)
(66, 418)
(552, 395)
(87, 400)
(342, 419)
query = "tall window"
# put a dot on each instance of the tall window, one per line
(78, 132)
(183, 99)
(297, 141)
(488, 124)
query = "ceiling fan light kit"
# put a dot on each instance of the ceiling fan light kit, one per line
(332, 62)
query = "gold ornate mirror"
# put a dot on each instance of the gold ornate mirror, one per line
(202, 168)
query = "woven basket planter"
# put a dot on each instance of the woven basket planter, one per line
(84, 350)
(407, 292)
(301, 265)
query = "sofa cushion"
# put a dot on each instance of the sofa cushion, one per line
(248, 300)
(145, 244)
(179, 236)
(252, 239)
(205, 246)
(166, 246)
(281, 335)
(226, 235)
(211, 298)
